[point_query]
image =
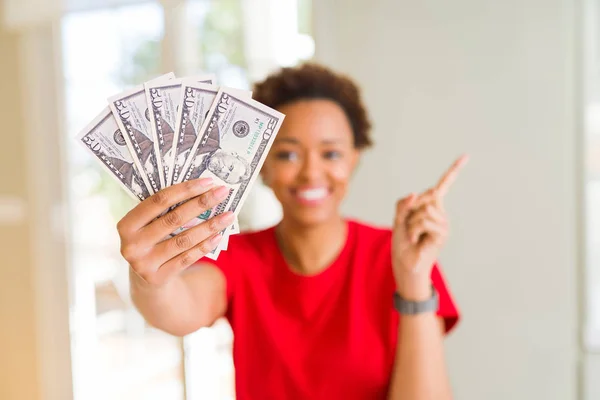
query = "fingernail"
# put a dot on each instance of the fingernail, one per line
(204, 182)
(221, 192)
(216, 239)
(227, 217)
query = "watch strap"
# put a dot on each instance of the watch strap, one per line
(409, 307)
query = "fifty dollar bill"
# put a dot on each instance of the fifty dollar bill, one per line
(233, 144)
(132, 112)
(105, 141)
(196, 101)
(164, 98)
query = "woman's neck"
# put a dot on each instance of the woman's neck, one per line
(310, 249)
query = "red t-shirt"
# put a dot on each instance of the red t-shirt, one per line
(328, 336)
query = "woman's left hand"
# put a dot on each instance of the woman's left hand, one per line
(420, 230)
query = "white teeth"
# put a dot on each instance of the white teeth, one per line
(313, 194)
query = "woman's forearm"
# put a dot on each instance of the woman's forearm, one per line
(187, 302)
(420, 368)
(166, 307)
(420, 230)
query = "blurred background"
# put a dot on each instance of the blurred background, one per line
(516, 84)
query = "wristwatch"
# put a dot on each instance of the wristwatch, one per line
(408, 307)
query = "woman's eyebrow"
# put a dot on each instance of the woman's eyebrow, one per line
(292, 140)
(331, 141)
(288, 140)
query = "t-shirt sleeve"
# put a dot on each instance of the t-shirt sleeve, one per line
(448, 309)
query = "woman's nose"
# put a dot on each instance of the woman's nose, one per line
(311, 167)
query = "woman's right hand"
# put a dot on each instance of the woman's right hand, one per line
(142, 234)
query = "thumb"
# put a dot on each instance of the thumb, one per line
(403, 207)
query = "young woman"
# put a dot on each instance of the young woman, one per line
(322, 307)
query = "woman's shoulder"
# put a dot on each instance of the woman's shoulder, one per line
(369, 239)
(248, 246)
(369, 231)
(252, 239)
(253, 235)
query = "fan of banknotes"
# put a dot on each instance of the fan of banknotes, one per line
(170, 130)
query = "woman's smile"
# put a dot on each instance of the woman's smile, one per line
(311, 195)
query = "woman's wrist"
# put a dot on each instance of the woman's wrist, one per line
(139, 284)
(413, 286)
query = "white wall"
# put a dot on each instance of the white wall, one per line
(495, 79)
